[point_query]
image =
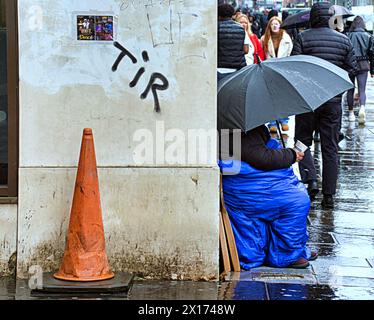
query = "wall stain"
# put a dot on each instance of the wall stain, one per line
(168, 265)
(9, 268)
(48, 255)
(147, 265)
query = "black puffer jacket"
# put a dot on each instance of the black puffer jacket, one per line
(363, 45)
(323, 42)
(230, 44)
(258, 155)
(255, 152)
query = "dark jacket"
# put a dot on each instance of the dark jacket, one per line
(255, 152)
(258, 155)
(256, 28)
(323, 42)
(363, 45)
(230, 44)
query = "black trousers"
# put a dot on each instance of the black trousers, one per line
(327, 118)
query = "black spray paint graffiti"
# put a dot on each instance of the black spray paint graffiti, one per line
(151, 84)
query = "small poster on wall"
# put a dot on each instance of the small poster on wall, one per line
(94, 28)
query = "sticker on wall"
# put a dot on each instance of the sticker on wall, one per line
(94, 28)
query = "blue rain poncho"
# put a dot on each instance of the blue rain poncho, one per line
(268, 212)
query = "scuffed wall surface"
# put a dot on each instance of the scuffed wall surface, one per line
(8, 239)
(169, 231)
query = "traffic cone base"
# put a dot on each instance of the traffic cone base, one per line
(97, 278)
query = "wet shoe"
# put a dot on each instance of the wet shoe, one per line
(361, 115)
(299, 264)
(285, 127)
(327, 202)
(313, 256)
(312, 189)
(273, 129)
(351, 116)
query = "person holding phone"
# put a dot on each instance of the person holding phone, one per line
(267, 204)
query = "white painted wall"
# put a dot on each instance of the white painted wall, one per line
(73, 81)
(8, 238)
(161, 218)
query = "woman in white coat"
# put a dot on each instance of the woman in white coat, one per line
(277, 44)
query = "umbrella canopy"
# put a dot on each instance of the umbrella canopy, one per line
(301, 19)
(341, 11)
(297, 20)
(277, 88)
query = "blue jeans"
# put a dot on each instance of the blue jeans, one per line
(362, 78)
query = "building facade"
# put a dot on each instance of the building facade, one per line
(143, 76)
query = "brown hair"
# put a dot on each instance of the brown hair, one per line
(267, 35)
(248, 30)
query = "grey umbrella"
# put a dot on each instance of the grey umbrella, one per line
(277, 88)
(341, 11)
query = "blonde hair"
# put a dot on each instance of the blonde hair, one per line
(248, 29)
(267, 35)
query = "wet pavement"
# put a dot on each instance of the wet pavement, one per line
(344, 238)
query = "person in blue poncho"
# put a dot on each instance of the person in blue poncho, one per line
(267, 204)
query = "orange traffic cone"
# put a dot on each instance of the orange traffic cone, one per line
(85, 257)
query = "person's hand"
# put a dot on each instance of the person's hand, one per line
(299, 156)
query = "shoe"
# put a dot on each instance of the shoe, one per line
(285, 127)
(299, 264)
(351, 116)
(312, 189)
(361, 115)
(327, 202)
(313, 256)
(273, 129)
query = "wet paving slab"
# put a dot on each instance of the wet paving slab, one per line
(243, 290)
(274, 275)
(174, 290)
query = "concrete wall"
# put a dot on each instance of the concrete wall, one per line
(8, 238)
(160, 216)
